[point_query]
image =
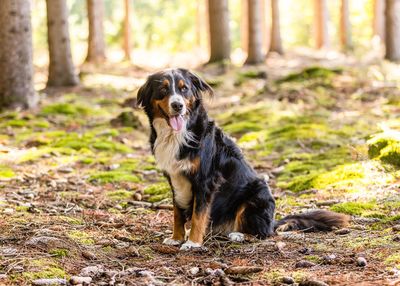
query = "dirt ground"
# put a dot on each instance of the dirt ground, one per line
(80, 194)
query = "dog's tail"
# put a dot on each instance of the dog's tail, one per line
(319, 220)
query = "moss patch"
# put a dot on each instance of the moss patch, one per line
(59, 252)
(119, 195)
(44, 268)
(66, 109)
(385, 146)
(354, 208)
(6, 172)
(80, 237)
(311, 73)
(114, 176)
(158, 191)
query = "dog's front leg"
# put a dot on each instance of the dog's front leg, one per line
(200, 220)
(178, 234)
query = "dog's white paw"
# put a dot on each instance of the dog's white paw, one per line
(236, 236)
(170, 241)
(188, 245)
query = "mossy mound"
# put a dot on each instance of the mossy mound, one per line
(114, 176)
(158, 192)
(385, 146)
(6, 172)
(119, 195)
(126, 118)
(354, 208)
(314, 72)
(66, 109)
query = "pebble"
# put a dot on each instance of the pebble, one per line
(342, 231)
(194, 270)
(361, 261)
(75, 280)
(287, 280)
(396, 227)
(329, 258)
(91, 271)
(3, 276)
(65, 170)
(396, 238)
(137, 196)
(50, 281)
(8, 211)
(280, 245)
(304, 264)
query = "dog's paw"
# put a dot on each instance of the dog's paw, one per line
(188, 245)
(171, 241)
(236, 236)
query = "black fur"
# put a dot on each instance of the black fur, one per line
(225, 180)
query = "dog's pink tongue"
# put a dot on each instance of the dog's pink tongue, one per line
(176, 122)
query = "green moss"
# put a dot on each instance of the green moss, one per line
(72, 220)
(242, 127)
(313, 258)
(59, 252)
(385, 146)
(119, 195)
(158, 191)
(343, 176)
(80, 237)
(6, 172)
(114, 176)
(354, 208)
(44, 268)
(311, 73)
(66, 109)
(393, 260)
(16, 123)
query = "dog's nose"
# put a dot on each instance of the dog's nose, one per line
(176, 106)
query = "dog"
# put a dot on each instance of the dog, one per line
(211, 182)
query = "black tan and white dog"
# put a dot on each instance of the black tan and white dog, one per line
(211, 182)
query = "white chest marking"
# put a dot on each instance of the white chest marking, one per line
(166, 151)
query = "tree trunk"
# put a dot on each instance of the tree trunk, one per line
(96, 45)
(345, 25)
(61, 67)
(244, 25)
(16, 76)
(276, 42)
(392, 37)
(321, 24)
(220, 42)
(379, 19)
(255, 53)
(127, 30)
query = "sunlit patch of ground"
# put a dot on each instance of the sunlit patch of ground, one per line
(79, 187)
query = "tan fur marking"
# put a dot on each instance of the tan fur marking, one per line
(179, 225)
(181, 83)
(195, 165)
(199, 224)
(237, 227)
(165, 82)
(163, 103)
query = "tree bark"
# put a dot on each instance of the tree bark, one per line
(220, 42)
(321, 24)
(392, 37)
(255, 53)
(244, 25)
(345, 26)
(127, 30)
(16, 76)
(379, 19)
(276, 42)
(61, 67)
(96, 44)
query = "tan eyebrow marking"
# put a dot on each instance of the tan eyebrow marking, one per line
(165, 82)
(181, 83)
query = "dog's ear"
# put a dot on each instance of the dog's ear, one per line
(144, 93)
(200, 86)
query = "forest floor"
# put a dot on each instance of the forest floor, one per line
(80, 194)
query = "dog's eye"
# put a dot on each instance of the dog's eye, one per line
(164, 90)
(184, 89)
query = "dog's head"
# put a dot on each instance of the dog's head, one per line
(173, 95)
